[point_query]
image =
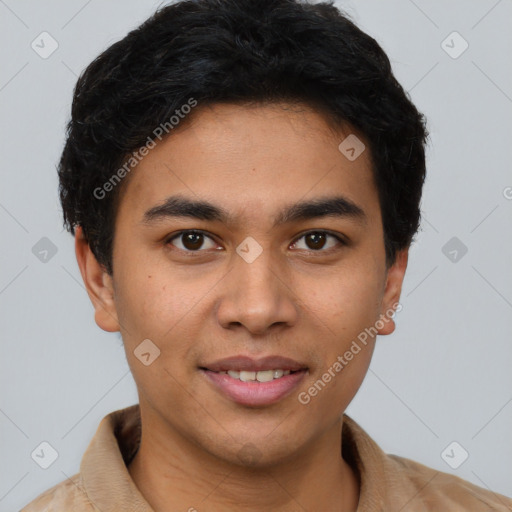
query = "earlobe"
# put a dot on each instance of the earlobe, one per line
(98, 284)
(395, 277)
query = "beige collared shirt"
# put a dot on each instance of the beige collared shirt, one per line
(388, 482)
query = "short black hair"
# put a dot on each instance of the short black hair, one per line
(238, 51)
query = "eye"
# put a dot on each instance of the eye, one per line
(194, 240)
(316, 240)
(190, 241)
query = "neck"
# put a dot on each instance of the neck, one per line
(173, 474)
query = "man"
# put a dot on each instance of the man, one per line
(243, 181)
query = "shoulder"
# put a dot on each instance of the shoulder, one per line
(427, 488)
(63, 497)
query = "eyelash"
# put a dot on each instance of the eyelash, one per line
(341, 241)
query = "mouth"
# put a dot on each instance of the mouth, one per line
(259, 376)
(252, 382)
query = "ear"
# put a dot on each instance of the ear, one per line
(98, 284)
(392, 291)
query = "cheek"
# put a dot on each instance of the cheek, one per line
(154, 309)
(165, 307)
(343, 311)
(346, 303)
(148, 306)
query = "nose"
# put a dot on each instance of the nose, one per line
(257, 295)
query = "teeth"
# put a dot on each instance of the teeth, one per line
(245, 376)
(265, 376)
(261, 376)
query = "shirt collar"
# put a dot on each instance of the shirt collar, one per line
(110, 488)
(104, 471)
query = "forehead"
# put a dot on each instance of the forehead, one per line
(250, 159)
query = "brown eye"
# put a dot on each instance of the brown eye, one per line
(317, 240)
(190, 240)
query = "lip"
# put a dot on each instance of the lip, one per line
(254, 393)
(254, 365)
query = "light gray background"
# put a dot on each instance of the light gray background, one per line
(443, 376)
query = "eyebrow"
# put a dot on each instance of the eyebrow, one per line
(180, 206)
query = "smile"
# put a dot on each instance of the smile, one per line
(261, 376)
(265, 387)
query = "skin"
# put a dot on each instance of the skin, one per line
(297, 299)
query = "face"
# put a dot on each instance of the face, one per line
(248, 283)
